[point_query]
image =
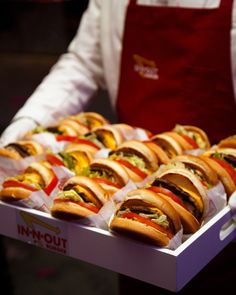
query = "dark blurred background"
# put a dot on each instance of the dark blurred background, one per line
(33, 33)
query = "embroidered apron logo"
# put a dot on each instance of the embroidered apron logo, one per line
(145, 68)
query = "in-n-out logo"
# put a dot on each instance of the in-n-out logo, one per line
(36, 231)
(145, 68)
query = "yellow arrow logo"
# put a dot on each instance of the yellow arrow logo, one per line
(30, 220)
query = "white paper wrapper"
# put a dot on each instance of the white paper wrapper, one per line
(134, 134)
(140, 134)
(49, 141)
(102, 218)
(232, 204)
(102, 153)
(176, 241)
(63, 174)
(194, 152)
(38, 200)
(12, 167)
(217, 201)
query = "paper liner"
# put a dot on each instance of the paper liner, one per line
(232, 205)
(217, 200)
(176, 241)
(102, 153)
(38, 200)
(134, 134)
(102, 218)
(11, 167)
(49, 141)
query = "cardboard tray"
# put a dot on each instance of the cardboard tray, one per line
(165, 268)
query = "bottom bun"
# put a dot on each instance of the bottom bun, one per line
(14, 193)
(69, 210)
(139, 231)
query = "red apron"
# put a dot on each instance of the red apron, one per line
(176, 68)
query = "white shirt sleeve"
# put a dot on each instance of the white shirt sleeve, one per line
(76, 76)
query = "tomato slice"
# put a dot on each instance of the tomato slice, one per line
(130, 166)
(190, 141)
(106, 181)
(54, 160)
(168, 193)
(50, 187)
(16, 183)
(88, 206)
(227, 167)
(76, 140)
(148, 222)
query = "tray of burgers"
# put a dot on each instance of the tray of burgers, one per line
(149, 202)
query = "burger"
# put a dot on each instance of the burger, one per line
(75, 160)
(161, 155)
(37, 176)
(70, 123)
(110, 174)
(192, 137)
(147, 216)
(21, 149)
(137, 158)
(223, 162)
(80, 197)
(199, 167)
(168, 144)
(185, 191)
(91, 119)
(105, 136)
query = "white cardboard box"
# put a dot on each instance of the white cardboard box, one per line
(165, 268)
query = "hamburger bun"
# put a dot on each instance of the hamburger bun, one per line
(137, 158)
(170, 146)
(37, 176)
(80, 197)
(146, 216)
(21, 149)
(223, 162)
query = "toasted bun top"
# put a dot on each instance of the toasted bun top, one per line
(67, 130)
(139, 148)
(91, 119)
(200, 164)
(10, 153)
(110, 136)
(168, 144)
(78, 128)
(222, 150)
(34, 147)
(81, 147)
(190, 183)
(21, 149)
(185, 145)
(159, 152)
(43, 169)
(229, 142)
(90, 184)
(117, 170)
(224, 176)
(155, 200)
